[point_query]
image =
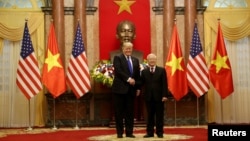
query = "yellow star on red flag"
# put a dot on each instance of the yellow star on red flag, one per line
(175, 63)
(220, 62)
(124, 5)
(52, 60)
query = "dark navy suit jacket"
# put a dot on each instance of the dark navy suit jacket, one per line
(154, 84)
(122, 73)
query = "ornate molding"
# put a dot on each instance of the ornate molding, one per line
(69, 10)
(178, 10)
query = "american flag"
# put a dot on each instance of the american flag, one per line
(78, 77)
(28, 74)
(197, 71)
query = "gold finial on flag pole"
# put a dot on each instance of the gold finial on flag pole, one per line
(175, 20)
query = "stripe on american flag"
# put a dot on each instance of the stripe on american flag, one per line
(197, 75)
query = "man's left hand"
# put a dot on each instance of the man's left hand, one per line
(138, 92)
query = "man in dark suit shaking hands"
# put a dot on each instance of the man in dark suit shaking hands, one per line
(155, 92)
(125, 88)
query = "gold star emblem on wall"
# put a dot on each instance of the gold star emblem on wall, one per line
(124, 5)
(175, 63)
(220, 62)
(52, 61)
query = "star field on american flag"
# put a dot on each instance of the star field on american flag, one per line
(27, 47)
(195, 44)
(78, 44)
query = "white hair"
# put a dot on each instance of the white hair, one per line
(151, 55)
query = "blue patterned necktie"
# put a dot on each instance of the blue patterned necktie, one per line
(129, 65)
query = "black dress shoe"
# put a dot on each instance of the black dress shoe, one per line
(160, 136)
(130, 136)
(119, 136)
(148, 136)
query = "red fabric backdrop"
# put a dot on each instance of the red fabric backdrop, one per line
(109, 18)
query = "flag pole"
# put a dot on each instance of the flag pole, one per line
(198, 118)
(76, 127)
(174, 112)
(29, 128)
(54, 120)
(221, 108)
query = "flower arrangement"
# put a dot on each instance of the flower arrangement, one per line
(103, 72)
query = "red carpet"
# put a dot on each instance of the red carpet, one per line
(100, 134)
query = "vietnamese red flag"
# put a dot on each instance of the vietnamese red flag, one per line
(175, 68)
(111, 12)
(220, 71)
(53, 76)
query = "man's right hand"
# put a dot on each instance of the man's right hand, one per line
(131, 81)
